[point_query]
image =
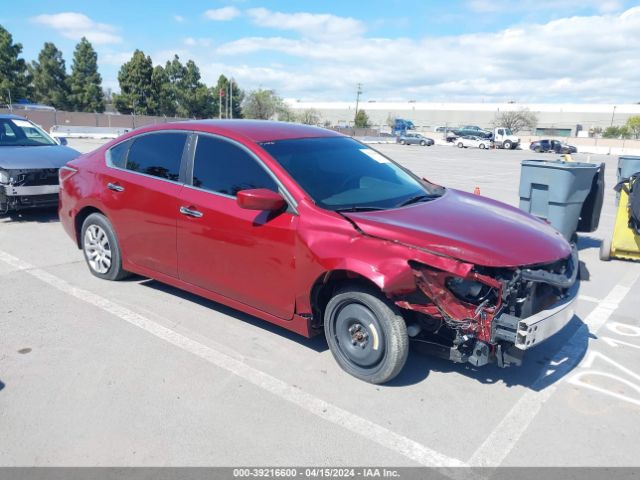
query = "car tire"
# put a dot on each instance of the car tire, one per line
(402, 142)
(537, 150)
(507, 145)
(101, 249)
(423, 143)
(460, 145)
(366, 334)
(482, 146)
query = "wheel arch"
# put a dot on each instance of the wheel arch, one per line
(79, 219)
(329, 282)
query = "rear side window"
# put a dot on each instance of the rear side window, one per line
(222, 167)
(117, 156)
(157, 154)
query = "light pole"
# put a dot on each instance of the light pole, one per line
(613, 114)
(358, 93)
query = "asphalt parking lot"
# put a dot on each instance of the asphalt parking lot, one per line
(136, 373)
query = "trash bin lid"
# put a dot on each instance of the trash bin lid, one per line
(561, 164)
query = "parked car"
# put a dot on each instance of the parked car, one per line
(29, 163)
(473, 142)
(543, 146)
(414, 139)
(472, 130)
(316, 232)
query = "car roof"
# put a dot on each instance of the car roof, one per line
(252, 130)
(11, 116)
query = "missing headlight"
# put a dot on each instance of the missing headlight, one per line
(470, 291)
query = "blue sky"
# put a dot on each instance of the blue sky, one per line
(466, 50)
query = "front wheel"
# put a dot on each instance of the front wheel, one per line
(460, 145)
(507, 145)
(423, 143)
(101, 249)
(366, 334)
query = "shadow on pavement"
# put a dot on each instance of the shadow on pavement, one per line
(39, 215)
(585, 242)
(419, 365)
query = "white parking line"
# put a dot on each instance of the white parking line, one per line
(369, 430)
(503, 438)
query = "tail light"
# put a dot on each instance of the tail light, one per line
(65, 173)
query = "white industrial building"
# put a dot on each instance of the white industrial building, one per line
(553, 119)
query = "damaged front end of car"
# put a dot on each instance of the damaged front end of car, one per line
(490, 314)
(28, 188)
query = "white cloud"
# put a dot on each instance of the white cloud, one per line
(197, 42)
(75, 25)
(557, 6)
(582, 59)
(115, 59)
(314, 25)
(222, 14)
(179, 18)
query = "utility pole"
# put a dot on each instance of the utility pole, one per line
(358, 93)
(10, 102)
(613, 114)
(220, 93)
(231, 98)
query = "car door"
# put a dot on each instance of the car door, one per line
(246, 255)
(140, 189)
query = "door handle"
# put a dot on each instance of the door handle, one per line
(115, 187)
(190, 212)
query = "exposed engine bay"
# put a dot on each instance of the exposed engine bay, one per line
(492, 314)
(26, 188)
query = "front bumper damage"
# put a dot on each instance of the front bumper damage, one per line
(29, 189)
(520, 309)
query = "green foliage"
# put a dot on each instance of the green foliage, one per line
(362, 119)
(616, 132)
(633, 125)
(194, 98)
(236, 98)
(50, 85)
(265, 104)
(14, 74)
(85, 82)
(137, 92)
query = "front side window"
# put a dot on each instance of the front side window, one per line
(340, 173)
(157, 154)
(223, 167)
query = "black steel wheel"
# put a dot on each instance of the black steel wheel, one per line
(366, 334)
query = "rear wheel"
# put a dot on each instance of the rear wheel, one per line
(366, 334)
(402, 142)
(101, 249)
(482, 146)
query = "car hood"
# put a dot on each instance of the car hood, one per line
(47, 156)
(470, 228)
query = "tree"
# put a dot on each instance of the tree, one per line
(195, 99)
(362, 119)
(236, 100)
(616, 132)
(85, 82)
(164, 92)
(310, 116)
(14, 74)
(137, 94)
(517, 120)
(633, 125)
(263, 105)
(50, 85)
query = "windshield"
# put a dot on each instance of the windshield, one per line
(340, 173)
(15, 132)
(507, 131)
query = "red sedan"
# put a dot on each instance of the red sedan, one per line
(312, 230)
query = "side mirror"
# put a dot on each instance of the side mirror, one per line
(260, 199)
(62, 140)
